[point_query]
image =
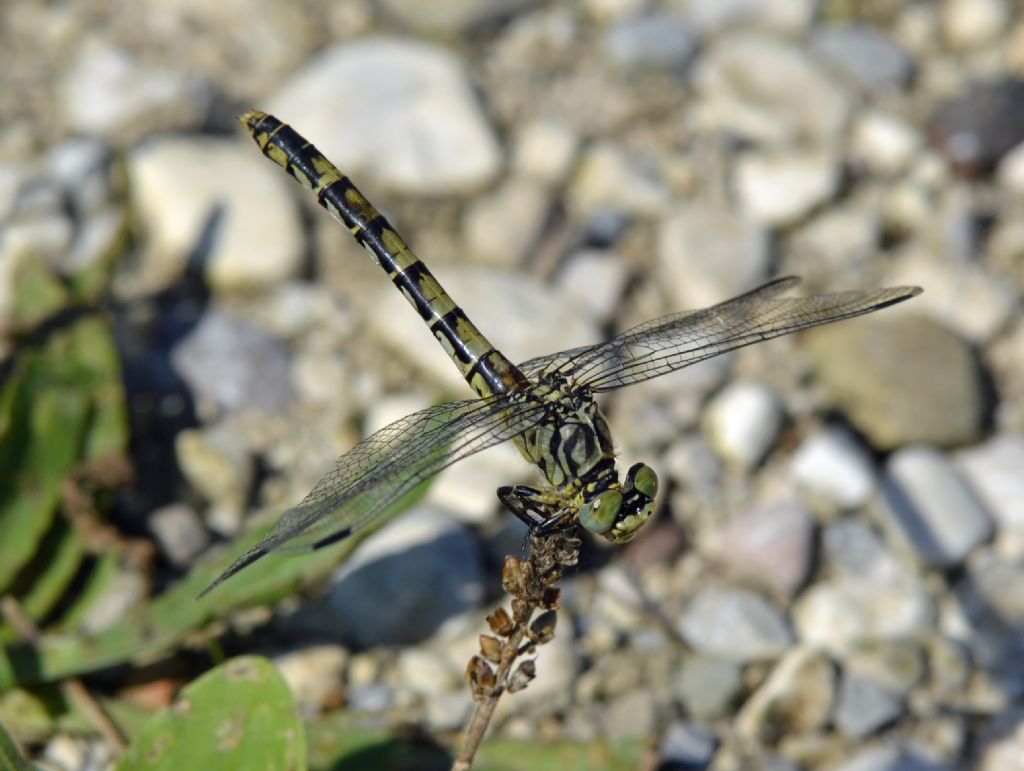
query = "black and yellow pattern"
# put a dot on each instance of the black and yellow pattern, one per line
(546, 405)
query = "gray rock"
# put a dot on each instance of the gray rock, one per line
(994, 472)
(187, 197)
(220, 469)
(405, 582)
(837, 244)
(688, 745)
(770, 92)
(854, 549)
(734, 624)
(865, 55)
(420, 130)
(707, 254)
(315, 675)
(119, 597)
(656, 39)
(179, 533)
(797, 697)
(832, 466)
(502, 227)
(872, 369)
(232, 365)
(742, 422)
(708, 686)
(769, 546)
(518, 314)
(864, 706)
(898, 665)
(449, 17)
(840, 613)
(932, 508)
(778, 190)
(370, 697)
(890, 757)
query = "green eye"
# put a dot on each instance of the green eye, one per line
(642, 478)
(599, 515)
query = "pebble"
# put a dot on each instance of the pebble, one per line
(708, 253)
(790, 17)
(449, 17)
(837, 244)
(889, 757)
(609, 177)
(186, 194)
(960, 294)
(687, 744)
(231, 365)
(865, 56)
(216, 465)
(778, 190)
(466, 489)
(770, 546)
(872, 370)
(656, 39)
(734, 624)
(405, 581)
(840, 613)
(993, 470)
(545, 150)
(796, 697)
(864, 706)
(632, 715)
(931, 507)
(990, 598)
(1011, 170)
(119, 597)
(973, 23)
(854, 549)
(420, 130)
(594, 280)
(742, 422)
(179, 533)
(708, 686)
(832, 466)
(315, 675)
(503, 226)
(884, 143)
(1001, 745)
(770, 92)
(371, 697)
(519, 315)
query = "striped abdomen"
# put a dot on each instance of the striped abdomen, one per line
(485, 369)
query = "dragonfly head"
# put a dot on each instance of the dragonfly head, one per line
(618, 512)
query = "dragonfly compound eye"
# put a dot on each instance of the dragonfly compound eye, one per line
(599, 514)
(642, 478)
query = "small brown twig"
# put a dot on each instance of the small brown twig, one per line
(531, 584)
(73, 688)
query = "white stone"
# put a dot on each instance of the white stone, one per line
(707, 254)
(544, 150)
(179, 532)
(742, 422)
(594, 280)
(734, 624)
(467, 488)
(770, 91)
(783, 16)
(419, 129)
(315, 675)
(503, 226)
(831, 465)
(838, 614)
(884, 143)
(781, 189)
(973, 23)
(995, 470)
(931, 507)
(188, 190)
(1010, 173)
(607, 176)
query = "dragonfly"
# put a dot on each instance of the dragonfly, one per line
(545, 405)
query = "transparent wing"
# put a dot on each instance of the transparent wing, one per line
(382, 468)
(673, 342)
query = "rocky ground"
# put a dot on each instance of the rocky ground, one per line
(836, 576)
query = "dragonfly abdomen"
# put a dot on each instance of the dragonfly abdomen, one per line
(486, 370)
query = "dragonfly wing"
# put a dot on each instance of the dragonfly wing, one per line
(382, 468)
(673, 342)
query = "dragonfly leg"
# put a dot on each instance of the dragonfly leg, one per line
(542, 512)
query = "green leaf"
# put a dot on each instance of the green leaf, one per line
(239, 715)
(37, 294)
